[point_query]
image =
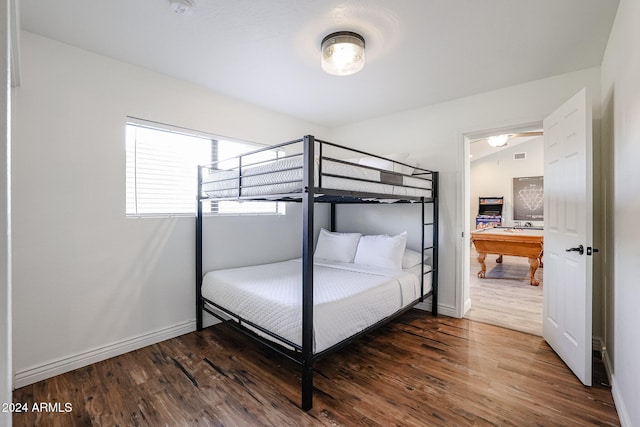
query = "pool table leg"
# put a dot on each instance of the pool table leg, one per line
(533, 266)
(483, 266)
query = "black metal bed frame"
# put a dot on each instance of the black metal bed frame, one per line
(303, 354)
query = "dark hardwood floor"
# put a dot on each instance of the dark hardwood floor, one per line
(416, 371)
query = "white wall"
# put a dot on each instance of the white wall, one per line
(433, 135)
(621, 137)
(90, 283)
(5, 215)
(493, 176)
(386, 218)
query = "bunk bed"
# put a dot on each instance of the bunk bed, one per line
(311, 171)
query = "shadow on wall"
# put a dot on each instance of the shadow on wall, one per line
(604, 265)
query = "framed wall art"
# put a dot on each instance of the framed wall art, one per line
(528, 198)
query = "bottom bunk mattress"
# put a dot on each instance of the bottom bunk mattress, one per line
(348, 297)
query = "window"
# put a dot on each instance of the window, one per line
(161, 172)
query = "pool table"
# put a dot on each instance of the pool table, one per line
(524, 242)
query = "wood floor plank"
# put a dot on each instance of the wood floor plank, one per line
(416, 371)
(505, 296)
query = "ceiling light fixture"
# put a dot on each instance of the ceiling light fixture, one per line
(182, 7)
(498, 141)
(342, 53)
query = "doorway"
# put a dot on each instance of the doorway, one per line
(504, 189)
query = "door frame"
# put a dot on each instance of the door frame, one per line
(463, 216)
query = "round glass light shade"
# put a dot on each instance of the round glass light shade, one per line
(498, 141)
(342, 53)
(182, 7)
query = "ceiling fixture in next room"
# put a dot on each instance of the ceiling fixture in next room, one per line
(498, 141)
(342, 53)
(501, 140)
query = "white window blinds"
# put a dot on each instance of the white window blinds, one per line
(161, 173)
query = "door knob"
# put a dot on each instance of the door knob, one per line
(579, 249)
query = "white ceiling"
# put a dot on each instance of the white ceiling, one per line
(267, 52)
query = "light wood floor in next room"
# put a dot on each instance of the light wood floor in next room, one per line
(505, 297)
(416, 371)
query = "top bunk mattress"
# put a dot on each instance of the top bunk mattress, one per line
(285, 176)
(348, 298)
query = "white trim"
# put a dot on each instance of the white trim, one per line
(14, 28)
(618, 400)
(151, 124)
(621, 409)
(66, 364)
(445, 310)
(7, 26)
(461, 290)
(467, 306)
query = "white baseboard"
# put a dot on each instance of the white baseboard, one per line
(621, 408)
(467, 306)
(607, 364)
(442, 309)
(50, 369)
(618, 399)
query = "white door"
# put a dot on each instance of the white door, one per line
(568, 234)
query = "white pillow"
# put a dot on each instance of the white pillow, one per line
(381, 251)
(412, 258)
(339, 247)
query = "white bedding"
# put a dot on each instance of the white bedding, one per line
(347, 297)
(285, 176)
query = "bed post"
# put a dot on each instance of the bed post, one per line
(422, 226)
(434, 267)
(332, 218)
(307, 272)
(199, 306)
